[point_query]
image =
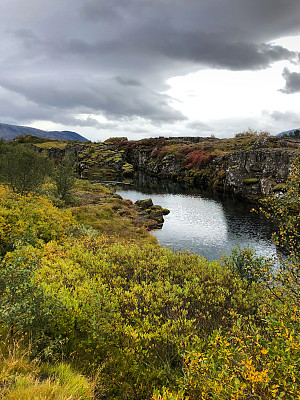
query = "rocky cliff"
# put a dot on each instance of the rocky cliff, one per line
(255, 172)
(244, 166)
(252, 167)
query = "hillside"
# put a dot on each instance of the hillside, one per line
(291, 133)
(10, 132)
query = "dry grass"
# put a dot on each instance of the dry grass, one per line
(22, 378)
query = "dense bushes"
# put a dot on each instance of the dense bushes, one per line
(25, 170)
(150, 324)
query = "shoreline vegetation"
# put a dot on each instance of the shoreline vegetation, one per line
(93, 308)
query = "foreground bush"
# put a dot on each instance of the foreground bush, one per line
(132, 311)
(148, 322)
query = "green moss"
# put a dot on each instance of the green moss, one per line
(165, 211)
(250, 181)
(127, 168)
(280, 187)
(88, 187)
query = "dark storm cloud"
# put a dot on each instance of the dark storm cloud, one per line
(213, 51)
(100, 11)
(113, 57)
(292, 81)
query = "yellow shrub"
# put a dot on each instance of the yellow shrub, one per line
(31, 220)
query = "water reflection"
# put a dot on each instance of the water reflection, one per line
(207, 226)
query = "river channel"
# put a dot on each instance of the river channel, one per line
(203, 224)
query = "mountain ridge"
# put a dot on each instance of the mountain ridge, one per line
(10, 132)
(290, 132)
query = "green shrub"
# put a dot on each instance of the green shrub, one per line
(248, 265)
(23, 169)
(64, 177)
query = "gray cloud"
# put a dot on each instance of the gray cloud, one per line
(87, 94)
(127, 81)
(85, 122)
(288, 117)
(213, 51)
(112, 58)
(292, 81)
(199, 126)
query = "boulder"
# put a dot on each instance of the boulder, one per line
(144, 204)
(151, 215)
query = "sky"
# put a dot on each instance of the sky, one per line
(148, 68)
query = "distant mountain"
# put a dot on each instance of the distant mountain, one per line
(292, 133)
(10, 132)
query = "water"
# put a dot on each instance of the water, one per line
(205, 225)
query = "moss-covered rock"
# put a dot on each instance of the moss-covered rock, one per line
(144, 204)
(152, 215)
(127, 169)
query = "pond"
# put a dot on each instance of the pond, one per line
(203, 224)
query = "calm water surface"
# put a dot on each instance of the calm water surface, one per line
(204, 225)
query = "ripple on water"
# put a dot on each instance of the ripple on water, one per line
(207, 226)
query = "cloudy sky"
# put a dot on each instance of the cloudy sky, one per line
(146, 68)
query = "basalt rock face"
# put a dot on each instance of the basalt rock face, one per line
(252, 172)
(255, 172)
(164, 167)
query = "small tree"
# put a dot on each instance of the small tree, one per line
(285, 211)
(23, 169)
(64, 175)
